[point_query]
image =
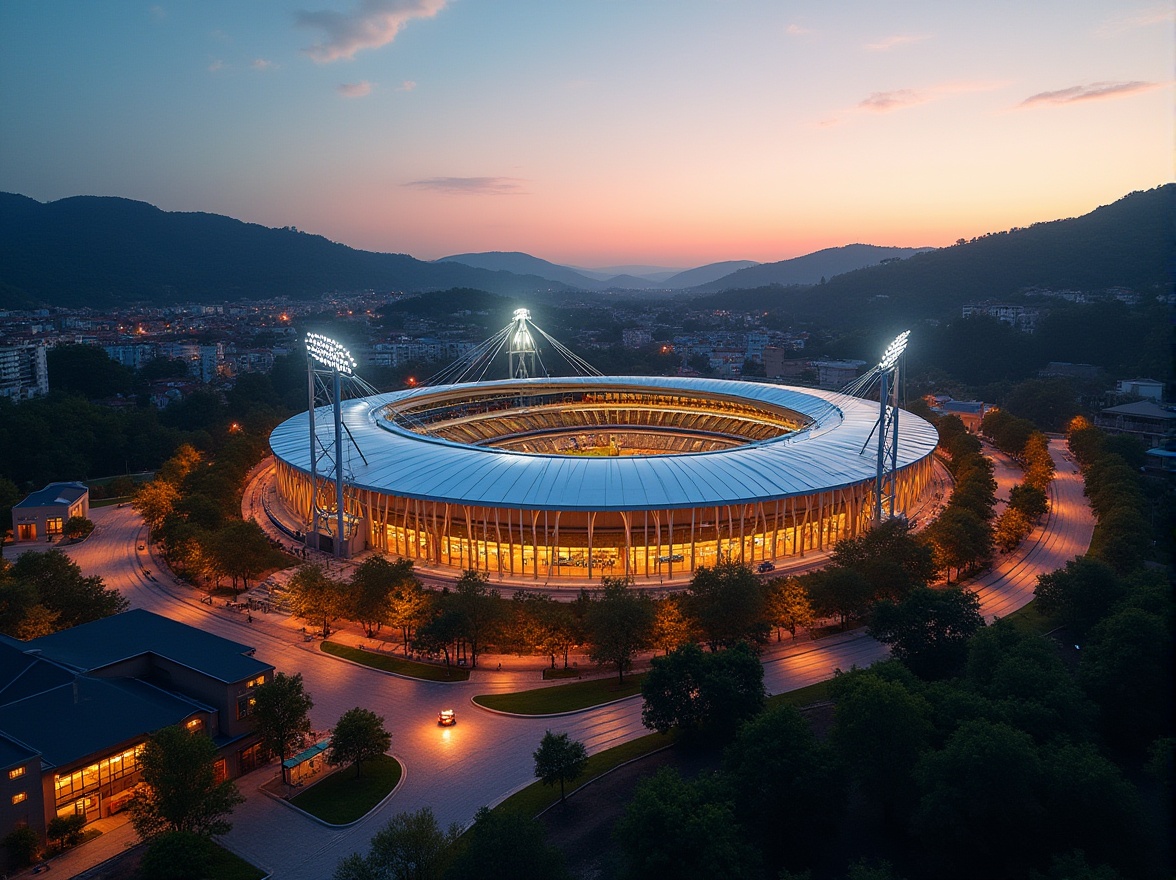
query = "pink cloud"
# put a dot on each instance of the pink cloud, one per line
(354, 90)
(493, 186)
(1093, 92)
(372, 24)
(893, 42)
(885, 102)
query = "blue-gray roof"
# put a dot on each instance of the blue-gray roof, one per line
(101, 643)
(834, 451)
(54, 493)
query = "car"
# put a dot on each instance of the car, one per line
(142, 547)
(671, 557)
(447, 717)
(766, 566)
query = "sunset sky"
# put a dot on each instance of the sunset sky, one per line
(593, 132)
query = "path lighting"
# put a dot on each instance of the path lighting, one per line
(330, 353)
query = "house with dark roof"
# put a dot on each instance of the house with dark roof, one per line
(44, 513)
(1151, 422)
(77, 706)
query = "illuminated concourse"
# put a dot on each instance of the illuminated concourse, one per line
(595, 476)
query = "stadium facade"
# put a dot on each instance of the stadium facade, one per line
(648, 477)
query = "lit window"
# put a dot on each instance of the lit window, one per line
(19, 797)
(245, 705)
(255, 682)
(16, 772)
(195, 725)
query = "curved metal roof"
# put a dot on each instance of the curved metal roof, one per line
(827, 455)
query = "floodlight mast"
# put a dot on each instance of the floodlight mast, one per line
(887, 473)
(521, 355)
(338, 361)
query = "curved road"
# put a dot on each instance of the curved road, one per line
(485, 756)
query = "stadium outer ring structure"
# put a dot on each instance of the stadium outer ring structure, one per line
(782, 471)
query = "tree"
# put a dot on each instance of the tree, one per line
(176, 855)
(180, 791)
(505, 846)
(838, 591)
(787, 790)
(76, 528)
(961, 540)
(928, 630)
(372, 586)
(670, 626)
(559, 759)
(359, 736)
(685, 830)
(9, 495)
(1079, 595)
(1012, 527)
(55, 582)
(619, 624)
(281, 712)
(66, 830)
(890, 556)
(788, 605)
(411, 846)
(243, 551)
(22, 845)
(477, 609)
(696, 691)
(316, 597)
(726, 604)
(154, 501)
(1029, 500)
(408, 607)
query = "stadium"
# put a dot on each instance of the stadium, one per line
(534, 480)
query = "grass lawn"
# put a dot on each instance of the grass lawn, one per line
(388, 663)
(1028, 619)
(343, 798)
(805, 696)
(537, 797)
(225, 865)
(563, 697)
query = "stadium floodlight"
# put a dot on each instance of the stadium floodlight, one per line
(329, 353)
(894, 351)
(522, 314)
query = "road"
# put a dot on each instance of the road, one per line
(486, 756)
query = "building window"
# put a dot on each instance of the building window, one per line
(20, 797)
(16, 772)
(245, 704)
(220, 771)
(195, 725)
(255, 682)
(54, 525)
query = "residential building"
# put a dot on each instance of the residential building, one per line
(1145, 419)
(43, 514)
(1148, 389)
(24, 372)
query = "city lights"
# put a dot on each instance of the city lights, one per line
(329, 353)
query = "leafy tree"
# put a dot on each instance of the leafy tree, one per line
(180, 791)
(787, 789)
(1080, 594)
(314, 596)
(685, 830)
(726, 604)
(66, 830)
(22, 845)
(243, 551)
(712, 692)
(671, 628)
(788, 605)
(281, 712)
(87, 370)
(408, 607)
(371, 589)
(1012, 527)
(984, 784)
(359, 736)
(559, 759)
(1122, 538)
(880, 731)
(9, 495)
(154, 501)
(438, 633)
(56, 583)
(836, 591)
(890, 557)
(538, 623)
(929, 629)
(411, 846)
(619, 625)
(961, 540)
(1029, 500)
(505, 846)
(37, 621)
(477, 608)
(77, 527)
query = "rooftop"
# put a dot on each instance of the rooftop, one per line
(54, 493)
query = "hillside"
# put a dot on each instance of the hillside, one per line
(1125, 244)
(525, 264)
(100, 251)
(810, 268)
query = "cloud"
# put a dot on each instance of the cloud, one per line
(407, 86)
(885, 45)
(217, 64)
(885, 102)
(354, 90)
(795, 30)
(372, 24)
(261, 64)
(487, 186)
(1145, 18)
(1092, 92)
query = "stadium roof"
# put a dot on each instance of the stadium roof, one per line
(838, 449)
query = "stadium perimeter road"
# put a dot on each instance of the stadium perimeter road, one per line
(486, 756)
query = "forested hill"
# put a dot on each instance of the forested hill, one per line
(100, 251)
(1129, 243)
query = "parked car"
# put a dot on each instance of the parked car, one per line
(447, 717)
(766, 566)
